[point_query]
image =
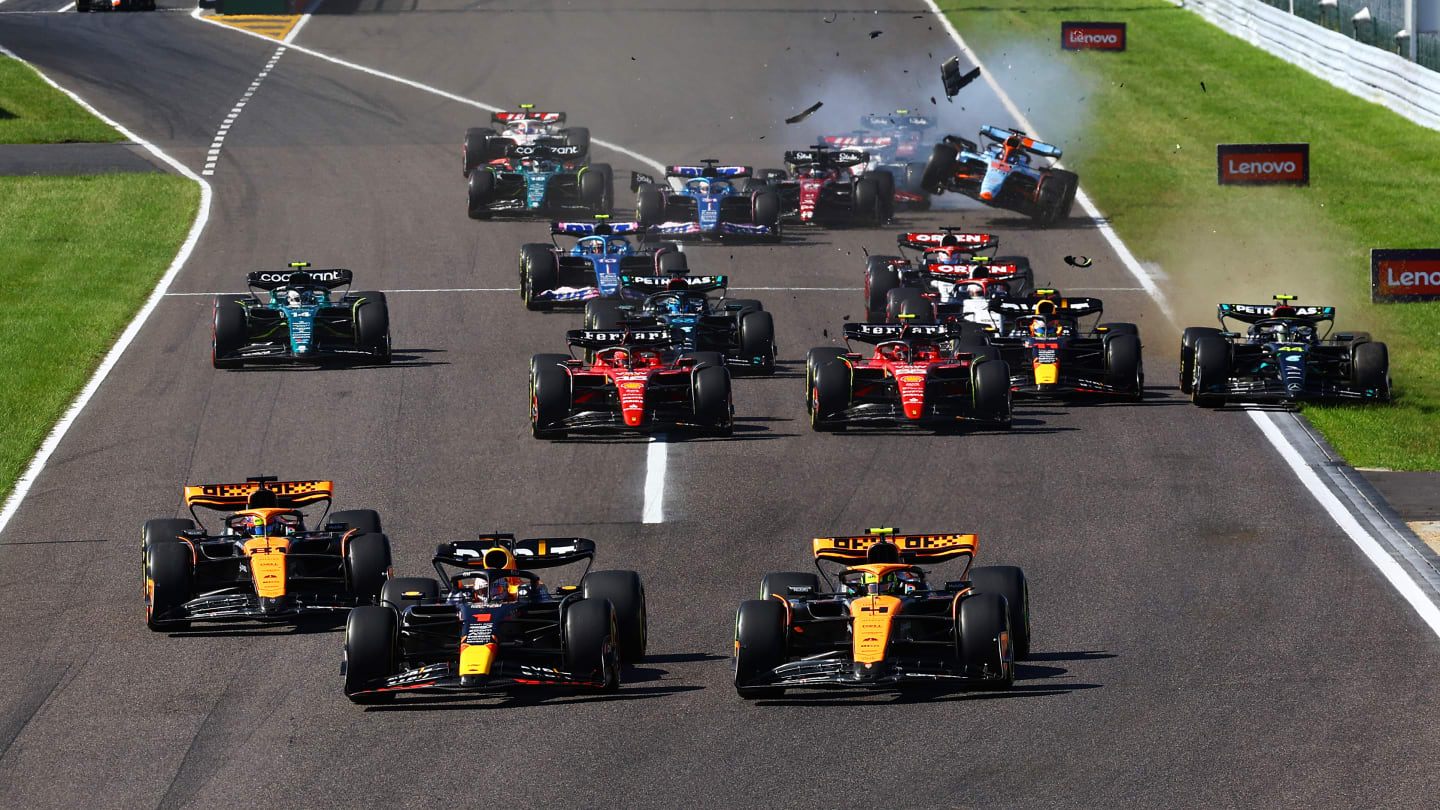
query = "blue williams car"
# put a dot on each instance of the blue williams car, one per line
(1002, 172)
(735, 332)
(552, 277)
(540, 180)
(707, 200)
(297, 317)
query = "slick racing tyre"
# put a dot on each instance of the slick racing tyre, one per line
(372, 634)
(539, 273)
(743, 306)
(1055, 196)
(170, 571)
(868, 207)
(710, 387)
(587, 636)
(829, 394)
(816, 358)
(601, 313)
(549, 400)
(403, 592)
(579, 136)
(367, 565)
(547, 361)
(880, 278)
(915, 184)
(1008, 581)
(780, 583)
(908, 301)
(627, 596)
(986, 644)
(163, 530)
(363, 521)
(992, 392)
(228, 333)
(939, 168)
(1123, 365)
(759, 646)
(476, 151)
(649, 206)
(1212, 370)
(885, 185)
(757, 340)
(671, 261)
(481, 193)
(1370, 368)
(597, 187)
(1187, 353)
(372, 324)
(765, 208)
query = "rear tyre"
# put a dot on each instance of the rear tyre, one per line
(880, 278)
(228, 333)
(1370, 368)
(367, 565)
(602, 313)
(1055, 196)
(1188, 339)
(780, 583)
(372, 324)
(372, 633)
(649, 206)
(364, 521)
(908, 301)
(672, 263)
(171, 571)
(759, 646)
(597, 187)
(757, 341)
(476, 151)
(985, 640)
(587, 634)
(711, 391)
(885, 187)
(539, 273)
(1212, 371)
(939, 168)
(1009, 581)
(915, 184)
(403, 592)
(579, 136)
(829, 394)
(481, 193)
(549, 399)
(868, 207)
(992, 392)
(1124, 368)
(627, 596)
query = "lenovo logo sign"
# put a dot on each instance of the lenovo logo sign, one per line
(1404, 275)
(1240, 164)
(1094, 36)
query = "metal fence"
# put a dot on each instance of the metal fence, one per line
(1387, 18)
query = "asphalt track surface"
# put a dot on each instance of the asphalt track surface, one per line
(1204, 635)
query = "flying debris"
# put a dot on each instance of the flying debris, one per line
(1079, 261)
(805, 113)
(954, 78)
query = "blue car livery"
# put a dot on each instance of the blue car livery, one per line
(707, 200)
(1001, 172)
(551, 277)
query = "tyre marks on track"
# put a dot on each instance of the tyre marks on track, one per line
(213, 156)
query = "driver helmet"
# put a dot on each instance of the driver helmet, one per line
(505, 589)
(927, 351)
(298, 298)
(526, 128)
(975, 290)
(700, 186)
(617, 357)
(895, 351)
(1042, 328)
(595, 247)
(889, 583)
(618, 247)
(248, 525)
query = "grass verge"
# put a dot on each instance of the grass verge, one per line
(31, 111)
(1141, 126)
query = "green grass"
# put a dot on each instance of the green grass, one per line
(1141, 132)
(32, 111)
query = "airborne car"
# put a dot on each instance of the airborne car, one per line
(528, 127)
(551, 277)
(1281, 357)
(263, 564)
(883, 624)
(947, 281)
(738, 331)
(825, 190)
(539, 180)
(490, 624)
(914, 377)
(637, 381)
(1002, 173)
(302, 320)
(707, 200)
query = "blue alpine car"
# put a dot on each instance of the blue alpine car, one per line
(553, 277)
(707, 200)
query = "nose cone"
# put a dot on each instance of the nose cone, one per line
(633, 416)
(913, 410)
(985, 195)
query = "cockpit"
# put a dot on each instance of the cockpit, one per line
(628, 358)
(1282, 330)
(602, 246)
(265, 523)
(898, 581)
(899, 351)
(707, 185)
(676, 303)
(299, 296)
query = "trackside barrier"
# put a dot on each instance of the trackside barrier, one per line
(1370, 73)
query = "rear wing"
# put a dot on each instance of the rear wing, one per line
(913, 548)
(538, 552)
(873, 333)
(709, 168)
(607, 338)
(599, 228)
(1047, 302)
(1254, 313)
(527, 114)
(824, 157)
(658, 284)
(234, 497)
(948, 237)
(900, 118)
(880, 141)
(1029, 144)
(542, 151)
(298, 276)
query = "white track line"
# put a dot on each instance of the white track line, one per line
(47, 448)
(213, 156)
(1343, 518)
(65, 7)
(656, 454)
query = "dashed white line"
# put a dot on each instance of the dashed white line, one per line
(212, 158)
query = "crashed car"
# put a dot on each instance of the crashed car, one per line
(894, 142)
(923, 375)
(636, 382)
(735, 332)
(528, 127)
(1282, 356)
(1001, 172)
(552, 277)
(949, 280)
(1050, 352)
(882, 623)
(299, 319)
(263, 564)
(540, 180)
(488, 623)
(821, 187)
(707, 200)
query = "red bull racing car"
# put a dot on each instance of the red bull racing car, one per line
(1050, 352)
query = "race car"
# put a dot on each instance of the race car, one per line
(1002, 173)
(82, 6)
(930, 375)
(539, 179)
(263, 564)
(1281, 357)
(488, 623)
(894, 142)
(738, 332)
(1050, 352)
(947, 281)
(825, 190)
(551, 277)
(528, 127)
(636, 382)
(300, 319)
(881, 623)
(707, 200)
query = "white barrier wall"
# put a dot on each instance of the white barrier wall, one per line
(1366, 71)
